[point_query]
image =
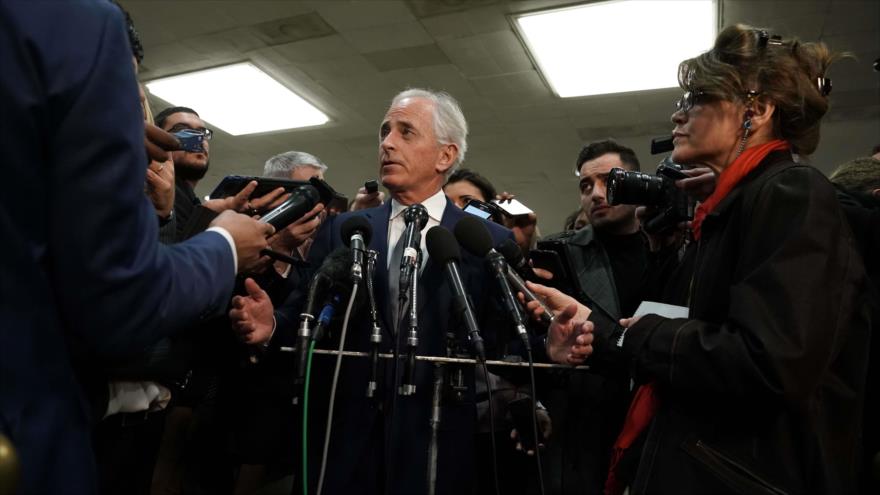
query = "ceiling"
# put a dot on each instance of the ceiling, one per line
(350, 58)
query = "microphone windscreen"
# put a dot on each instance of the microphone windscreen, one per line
(441, 245)
(510, 250)
(416, 213)
(474, 236)
(337, 266)
(354, 224)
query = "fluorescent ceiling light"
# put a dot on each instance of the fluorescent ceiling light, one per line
(240, 99)
(617, 46)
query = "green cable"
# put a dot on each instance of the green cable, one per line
(305, 432)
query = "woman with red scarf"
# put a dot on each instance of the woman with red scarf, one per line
(760, 389)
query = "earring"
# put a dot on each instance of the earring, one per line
(747, 126)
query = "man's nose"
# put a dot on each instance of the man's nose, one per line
(599, 191)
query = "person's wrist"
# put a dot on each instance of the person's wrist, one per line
(165, 217)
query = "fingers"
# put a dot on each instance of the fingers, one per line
(628, 322)
(155, 152)
(241, 199)
(541, 290)
(262, 201)
(253, 289)
(160, 138)
(267, 229)
(567, 314)
(542, 273)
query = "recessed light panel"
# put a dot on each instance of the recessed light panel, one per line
(239, 99)
(617, 46)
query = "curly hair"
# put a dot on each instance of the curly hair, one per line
(787, 73)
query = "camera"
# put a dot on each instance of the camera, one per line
(667, 205)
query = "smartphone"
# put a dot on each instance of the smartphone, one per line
(512, 207)
(486, 211)
(190, 140)
(521, 411)
(233, 184)
(550, 255)
(548, 260)
(371, 186)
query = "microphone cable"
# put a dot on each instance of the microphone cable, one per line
(305, 419)
(535, 421)
(335, 382)
(492, 428)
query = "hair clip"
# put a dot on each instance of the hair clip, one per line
(764, 38)
(824, 85)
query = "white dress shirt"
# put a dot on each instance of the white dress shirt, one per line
(435, 205)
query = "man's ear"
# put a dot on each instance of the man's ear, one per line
(448, 155)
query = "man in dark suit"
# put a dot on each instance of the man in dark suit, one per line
(422, 139)
(83, 275)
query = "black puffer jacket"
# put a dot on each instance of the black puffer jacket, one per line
(761, 389)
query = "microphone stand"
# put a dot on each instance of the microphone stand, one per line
(408, 387)
(376, 335)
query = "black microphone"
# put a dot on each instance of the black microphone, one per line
(474, 236)
(302, 199)
(443, 249)
(356, 233)
(333, 273)
(515, 258)
(416, 217)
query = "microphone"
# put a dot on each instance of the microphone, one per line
(475, 237)
(356, 233)
(302, 199)
(416, 217)
(516, 260)
(444, 250)
(515, 276)
(333, 272)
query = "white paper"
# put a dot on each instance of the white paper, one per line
(665, 310)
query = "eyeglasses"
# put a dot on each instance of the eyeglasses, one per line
(206, 133)
(689, 99)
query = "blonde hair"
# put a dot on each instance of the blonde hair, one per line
(784, 72)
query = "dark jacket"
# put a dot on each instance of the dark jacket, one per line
(364, 443)
(81, 274)
(761, 388)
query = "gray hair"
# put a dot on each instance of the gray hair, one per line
(283, 164)
(450, 127)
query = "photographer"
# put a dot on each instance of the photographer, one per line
(759, 390)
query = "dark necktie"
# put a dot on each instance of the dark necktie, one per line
(394, 283)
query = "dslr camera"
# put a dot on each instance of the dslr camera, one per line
(667, 206)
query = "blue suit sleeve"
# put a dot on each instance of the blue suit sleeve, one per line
(116, 286)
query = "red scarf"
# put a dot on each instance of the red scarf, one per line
(747, 161)
(645, 402)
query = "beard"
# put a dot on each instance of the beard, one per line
(190, 172)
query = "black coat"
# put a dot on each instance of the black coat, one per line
(364, 443)
(761, 388)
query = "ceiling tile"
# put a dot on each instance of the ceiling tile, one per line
(388, 37)
(353, 15)
(408, 57)
(314, 50)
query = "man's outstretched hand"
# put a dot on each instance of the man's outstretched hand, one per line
(252, 315)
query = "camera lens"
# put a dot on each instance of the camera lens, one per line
(634, 188)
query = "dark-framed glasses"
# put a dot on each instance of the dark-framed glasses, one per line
(690, 98)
